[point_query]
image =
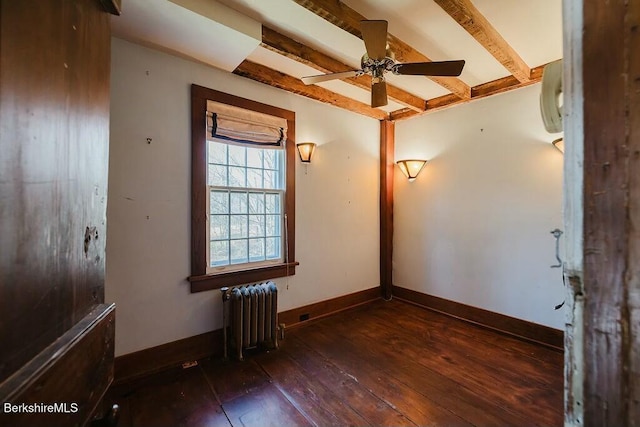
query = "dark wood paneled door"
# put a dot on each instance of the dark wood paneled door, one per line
(56, 333)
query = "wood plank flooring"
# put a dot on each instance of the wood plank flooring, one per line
(382, 364)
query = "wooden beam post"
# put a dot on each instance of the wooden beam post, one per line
(602, 86)
(387, 147)
(573, 121)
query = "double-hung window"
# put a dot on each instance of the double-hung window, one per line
(243, 191)
(245, 209)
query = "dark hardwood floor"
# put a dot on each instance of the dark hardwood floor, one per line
(384, 363)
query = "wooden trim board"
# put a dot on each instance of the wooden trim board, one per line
(297, 316)
(529, 331)
(132, 366)
(149, 361)
(113, 7)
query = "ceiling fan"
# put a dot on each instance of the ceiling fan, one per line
(379, 60)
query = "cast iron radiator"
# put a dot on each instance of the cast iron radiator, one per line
(250, 317)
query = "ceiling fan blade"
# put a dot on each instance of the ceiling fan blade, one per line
(374, 34)
(441, 68)
(309, 80)
(378, 93)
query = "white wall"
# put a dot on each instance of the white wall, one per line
(148, 215)
(475, 225)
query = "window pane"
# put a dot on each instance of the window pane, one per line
(217, 153)
(272, 203)
(270, 180)
(254, 178)
(219, 202)
(256, 225)
(238, 226)
(237, 155)
(219, 227)
(238, 251)
(254, 157)
(256, 203)
(217, 175)
(219, 253)
(237, 177)
(272, 248)
(272, 225)
(256, 249)
(238, 202)
(270, 159)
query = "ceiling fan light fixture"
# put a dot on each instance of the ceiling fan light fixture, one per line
(379, 59)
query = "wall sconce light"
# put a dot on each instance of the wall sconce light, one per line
(411, 168)
(559, 144)
(305, 150)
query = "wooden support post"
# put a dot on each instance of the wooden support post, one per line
(387, 143)
(602, 127)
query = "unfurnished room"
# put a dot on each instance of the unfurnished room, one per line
(319, 212)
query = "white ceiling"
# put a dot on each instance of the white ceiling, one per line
(223, 33)
(204, 30)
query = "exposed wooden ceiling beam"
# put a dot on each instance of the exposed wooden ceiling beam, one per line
(494, 87)
(299, 52)
(274, 78)
(348, 19)
(506, 84)
(470, 18)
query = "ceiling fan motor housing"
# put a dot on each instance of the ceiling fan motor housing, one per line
(378, 68)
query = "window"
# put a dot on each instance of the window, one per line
(243, 195)
(246, 190)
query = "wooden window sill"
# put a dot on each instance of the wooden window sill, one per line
(208, 282)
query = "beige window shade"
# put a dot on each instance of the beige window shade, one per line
(237, 125)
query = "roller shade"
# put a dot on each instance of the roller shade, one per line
(240, 126)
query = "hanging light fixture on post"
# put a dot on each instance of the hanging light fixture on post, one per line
(305, 150)
(411, 168)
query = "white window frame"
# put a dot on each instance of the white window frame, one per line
(282, 220)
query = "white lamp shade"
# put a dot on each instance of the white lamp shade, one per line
(411, 168)
(305, 150)
(559, 144)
